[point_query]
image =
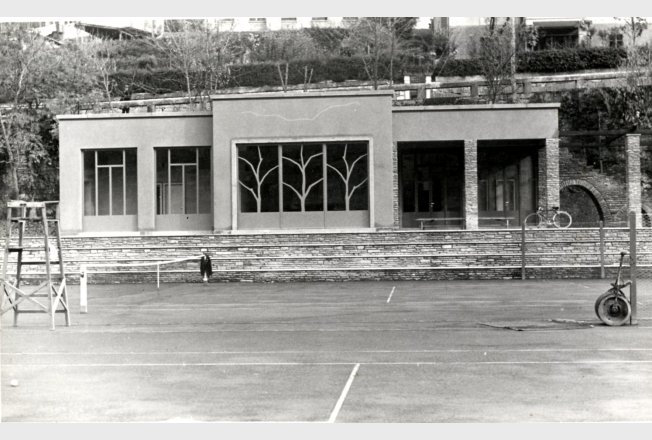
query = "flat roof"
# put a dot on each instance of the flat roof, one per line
(142, 115)
(475, 107)
(300, 94)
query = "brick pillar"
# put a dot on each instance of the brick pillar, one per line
(633, 163)
(548, 186)
(471, 183)
(395, 188)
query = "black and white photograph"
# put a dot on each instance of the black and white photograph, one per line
(298, 220)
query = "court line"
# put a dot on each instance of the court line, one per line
(316, 364)
(390, 294)
(167, 353)
(468, 328)
(345, 391)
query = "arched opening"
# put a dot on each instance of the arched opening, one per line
(582, 205)
(646, 220)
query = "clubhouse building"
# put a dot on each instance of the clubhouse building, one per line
(345, 160)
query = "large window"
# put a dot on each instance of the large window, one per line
(303, 177)
(183, 178)
(110, 182)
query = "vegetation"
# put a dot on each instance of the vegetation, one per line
(39, 78)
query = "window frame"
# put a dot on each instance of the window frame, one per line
(110, 168)
(165, 207)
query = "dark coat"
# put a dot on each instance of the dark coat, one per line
(205, 266)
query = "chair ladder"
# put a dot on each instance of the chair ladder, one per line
(19, 213)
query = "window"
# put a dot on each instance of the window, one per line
(258, 23)
(110, 182)
(183, 181)
(226, 24)
(615, 40)
(288, 22)
(303, 177)
(319, 22)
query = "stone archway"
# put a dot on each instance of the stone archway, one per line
(601, 204)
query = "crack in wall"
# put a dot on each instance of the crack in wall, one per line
(321, 112)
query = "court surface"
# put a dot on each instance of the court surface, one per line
(459, 351)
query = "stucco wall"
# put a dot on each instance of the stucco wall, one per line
(293, 117)
(144, 132)
(481, 122)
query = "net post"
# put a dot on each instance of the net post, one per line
(158, 274)
(601, 225)
(83, 288)
(632, 266)
(523, 251)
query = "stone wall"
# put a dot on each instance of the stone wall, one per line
(338, 256)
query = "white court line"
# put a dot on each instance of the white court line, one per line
(317, 364)
(167, 353)
(345, 391)
(470, 328)
(390, 295)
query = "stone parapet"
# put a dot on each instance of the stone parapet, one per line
(382, 255)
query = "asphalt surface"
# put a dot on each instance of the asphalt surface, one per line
(481, 351)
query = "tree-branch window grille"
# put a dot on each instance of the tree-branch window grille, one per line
(347, 177)
(303, 178)
(258, 178)
(291, 177)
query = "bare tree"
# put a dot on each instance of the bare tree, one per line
(200, 53)
(495, 55)
(34, 72)
(400, 29)
(101, 54)
(633, 27)
(371, 39)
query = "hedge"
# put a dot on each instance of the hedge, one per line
(570, 60)
(544, 61)
(340, 69)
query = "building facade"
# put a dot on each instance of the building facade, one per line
(308, 161)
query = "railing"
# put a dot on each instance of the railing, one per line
(469, 88)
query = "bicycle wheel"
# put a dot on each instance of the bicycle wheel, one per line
(533, 220)
(614, 310)
(602, 297)
(562, 219)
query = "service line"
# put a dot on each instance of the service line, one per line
(345, 391)
(390, 294)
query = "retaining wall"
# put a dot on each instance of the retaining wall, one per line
(338, 256)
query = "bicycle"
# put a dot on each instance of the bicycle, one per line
(613, 307)
(554, 217)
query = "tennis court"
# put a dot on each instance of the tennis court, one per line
(462, 351)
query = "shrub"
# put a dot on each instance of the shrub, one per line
(454, 67)
(543, 61)
(569, 60)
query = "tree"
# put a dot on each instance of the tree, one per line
(400, 31)
(370, 38)
(32, 71)
(36, 75)
(495, 54)
(102, 54)
(200, 53)
(283, 47)
(633, 27)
